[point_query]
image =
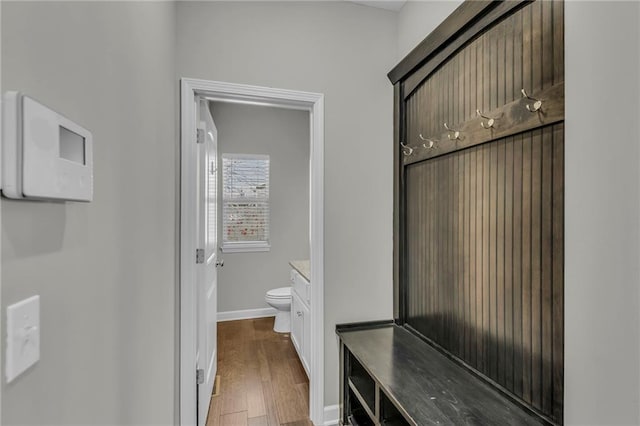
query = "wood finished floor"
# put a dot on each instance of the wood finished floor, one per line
(262, 382)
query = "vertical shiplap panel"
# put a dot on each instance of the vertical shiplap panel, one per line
(435, 249)
(451, 93)
(421, 247)
(458, 224)
(450, 236)
(410, 259)
(500, 76)
(492, 76)
(537, 56)
(526, 268)
(479, 67)
(558, 38)
(527, 59)
(536, 225)
(414, 190)
(467, 93)
(519, 65)
(480, 270)
(518, 57)
(432, 261)
(473, 282)
(509, 317)
(468, 302)
(429, 98)
(546, 252)
(462, 90)
(500, 288)
(443, 89)
(486, 72)
(558, 269)
(493, 259)
(510, 69)
(462, 258)
(500, 100)
(546, 35)
(509, 60)
(476, 204)
(517, 226)
(486, 258)
(444, 245)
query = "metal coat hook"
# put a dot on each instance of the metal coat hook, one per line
(431, 143)
(537, 104)
(490, 121)
(406, 149)
(456, 133)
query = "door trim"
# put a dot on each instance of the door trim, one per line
(290, 99)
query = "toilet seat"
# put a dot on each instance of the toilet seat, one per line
(279, 293)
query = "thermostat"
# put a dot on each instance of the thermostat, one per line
(45, 155)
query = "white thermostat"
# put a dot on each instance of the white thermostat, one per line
(44, 155)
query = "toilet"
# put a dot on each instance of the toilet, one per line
(280, 299)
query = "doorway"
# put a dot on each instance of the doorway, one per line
(192, 91)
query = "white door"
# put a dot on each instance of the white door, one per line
(207, 227)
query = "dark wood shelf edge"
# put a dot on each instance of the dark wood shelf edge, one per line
(365, 325)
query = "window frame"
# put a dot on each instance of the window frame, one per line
(244, 246)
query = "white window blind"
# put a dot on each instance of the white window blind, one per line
(245, 202)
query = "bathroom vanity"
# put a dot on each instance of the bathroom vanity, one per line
(301, 310)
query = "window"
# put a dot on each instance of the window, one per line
(245, 203)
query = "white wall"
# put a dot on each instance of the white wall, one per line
(105, 271)
(417, 19)
(344, 51)
(283, 134)
(602, 213)
(602, 210)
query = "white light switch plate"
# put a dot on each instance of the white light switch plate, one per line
(23, 336)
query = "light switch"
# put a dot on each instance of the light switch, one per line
(23, 336)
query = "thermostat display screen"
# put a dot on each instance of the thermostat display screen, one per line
(72, 146)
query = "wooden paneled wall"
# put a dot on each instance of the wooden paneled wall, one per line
(485, 260)
(524, 51)
(482, 270)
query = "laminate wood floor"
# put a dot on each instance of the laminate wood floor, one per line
(262, 382)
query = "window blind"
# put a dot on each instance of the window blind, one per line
(245, 199)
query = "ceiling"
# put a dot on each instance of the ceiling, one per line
(394, 5)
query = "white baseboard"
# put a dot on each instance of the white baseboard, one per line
(246, 314)
(331, 415)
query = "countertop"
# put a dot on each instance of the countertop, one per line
(303, 267)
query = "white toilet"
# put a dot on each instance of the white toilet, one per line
(280, 298)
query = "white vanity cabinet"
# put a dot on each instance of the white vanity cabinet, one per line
(301, 317)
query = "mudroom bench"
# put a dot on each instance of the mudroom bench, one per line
(389, 376)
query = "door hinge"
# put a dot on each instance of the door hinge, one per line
(200, 136)
(199, 255)
(199, 376)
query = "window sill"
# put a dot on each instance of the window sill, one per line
(245, 247)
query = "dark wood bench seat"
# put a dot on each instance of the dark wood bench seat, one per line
(391, 376)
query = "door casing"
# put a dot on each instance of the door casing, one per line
(231, 92)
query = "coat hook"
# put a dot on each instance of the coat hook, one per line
(456, 133)
(537, 104)
(431, 143)
(406, 149)
(490, 121)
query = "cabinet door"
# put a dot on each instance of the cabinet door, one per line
(306, 336)
(297, 327)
